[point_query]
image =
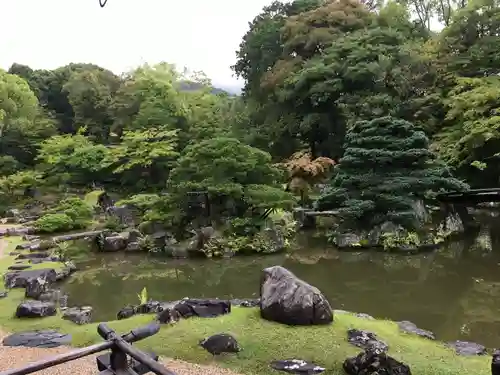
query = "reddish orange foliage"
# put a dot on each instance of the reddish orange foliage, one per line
(300, 165)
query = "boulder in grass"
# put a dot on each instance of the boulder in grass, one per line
(78, 315)
(374, 362)
(35, 309)
(366, 340)
(284, 298)
(220, 343)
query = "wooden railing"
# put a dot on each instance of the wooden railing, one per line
(118, 362)
(471, 197)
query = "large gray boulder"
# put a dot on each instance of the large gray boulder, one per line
(287, 299)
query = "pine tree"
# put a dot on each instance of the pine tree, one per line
(386, 168)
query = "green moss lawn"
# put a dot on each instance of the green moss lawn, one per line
(262, 341)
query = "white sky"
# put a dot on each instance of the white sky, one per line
(199, 34)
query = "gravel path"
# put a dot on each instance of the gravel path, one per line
(3, 246)
(13, 357)
(17, 357)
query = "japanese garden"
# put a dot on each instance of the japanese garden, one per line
(303, 218)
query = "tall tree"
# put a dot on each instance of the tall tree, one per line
(261, 46)
(90, 93)
(22, 123)
(470, 45)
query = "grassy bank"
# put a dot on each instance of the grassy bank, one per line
(262, 341)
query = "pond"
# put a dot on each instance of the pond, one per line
(454, 292)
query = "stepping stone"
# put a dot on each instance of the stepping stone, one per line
(38, 339)
(19, 267)
(366, 340)
(33, 256)
(297, 366)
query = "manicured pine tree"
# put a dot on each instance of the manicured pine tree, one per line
(386, 168)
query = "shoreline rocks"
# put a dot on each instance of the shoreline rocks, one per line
(78, 315)
(171, 311)
(410, 328)
(467, 348)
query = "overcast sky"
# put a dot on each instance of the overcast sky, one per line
(199, 34)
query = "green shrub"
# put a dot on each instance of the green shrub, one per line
(71, 213)
(72, 250)
(51, 223)
(244, 226)
(77, 209)
(114, 224)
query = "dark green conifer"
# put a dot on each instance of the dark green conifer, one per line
(386, 168)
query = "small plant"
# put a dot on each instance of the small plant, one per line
(61, 250)
(147, 243)
(395, 240)
(143, 296)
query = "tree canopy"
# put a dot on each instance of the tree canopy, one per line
(315, 72)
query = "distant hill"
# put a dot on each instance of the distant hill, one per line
(191, 86)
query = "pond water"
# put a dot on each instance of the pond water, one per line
(454, 292)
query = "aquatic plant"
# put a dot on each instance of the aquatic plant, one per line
(143, 296)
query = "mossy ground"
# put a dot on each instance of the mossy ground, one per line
(261, 341)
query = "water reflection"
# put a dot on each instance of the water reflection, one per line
(453, 292)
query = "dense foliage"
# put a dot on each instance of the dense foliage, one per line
(386, 168)
(312, 70)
